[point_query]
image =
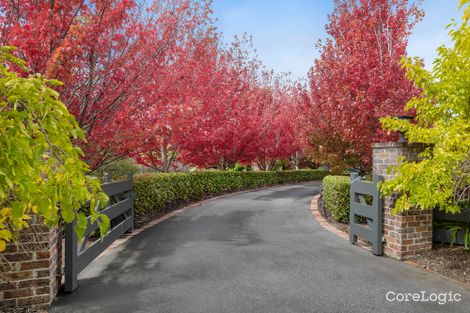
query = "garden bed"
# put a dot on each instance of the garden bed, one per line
(452, 262)
(451, 228)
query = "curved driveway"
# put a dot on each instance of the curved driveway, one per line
(258, 251)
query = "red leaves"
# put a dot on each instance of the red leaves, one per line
(154, 82)
(107, 53)
(359, 79)
(217, 109)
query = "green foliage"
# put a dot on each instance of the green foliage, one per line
(117, 169)
(336, 197)
(156, 192)
(40, 166)
(240, 168)
(443, 123)
(280, 165)
(455, 227)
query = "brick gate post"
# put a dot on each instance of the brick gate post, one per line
(30, 270)
(409, 233)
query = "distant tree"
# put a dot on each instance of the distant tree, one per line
(358, 79)
(278, 130)
(220, 97)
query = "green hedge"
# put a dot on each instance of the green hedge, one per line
(336, 197)
(157, 192)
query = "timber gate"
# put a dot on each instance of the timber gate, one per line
(366, 212)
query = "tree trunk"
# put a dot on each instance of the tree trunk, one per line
(221, 166)
(164, 156)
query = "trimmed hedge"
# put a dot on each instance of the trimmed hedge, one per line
(157, 192)
(336, 197)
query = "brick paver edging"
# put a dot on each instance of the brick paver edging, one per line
(326, 225)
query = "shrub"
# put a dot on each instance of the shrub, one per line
(442, 177)
(240, 168)
(280, 165)
(40, 163)
(117, 169)
(157, 192)
(336, 197)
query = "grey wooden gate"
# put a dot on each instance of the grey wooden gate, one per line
(121, 215)
(365, 202)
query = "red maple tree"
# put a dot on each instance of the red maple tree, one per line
(154, 82)
(276, 132)
(106, 53)
(358, 79)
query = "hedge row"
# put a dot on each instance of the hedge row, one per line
(155, 193)
(336, 197)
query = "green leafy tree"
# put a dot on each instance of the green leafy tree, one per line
(41, 173)
(442, 177)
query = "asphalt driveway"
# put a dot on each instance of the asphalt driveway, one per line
(252, 252)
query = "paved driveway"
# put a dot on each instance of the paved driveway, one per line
(253, 252)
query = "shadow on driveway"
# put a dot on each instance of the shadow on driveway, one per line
(252, 252)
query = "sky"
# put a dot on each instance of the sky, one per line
(285, 31)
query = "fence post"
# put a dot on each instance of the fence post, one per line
(352, 217)
(130, 177)
(71, 251)
(377, 204)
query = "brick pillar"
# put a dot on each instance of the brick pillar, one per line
(408, 233)
(29, 270)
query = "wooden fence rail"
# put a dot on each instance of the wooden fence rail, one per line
(121, 215)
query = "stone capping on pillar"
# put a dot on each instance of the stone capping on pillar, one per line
(30, 270)
(406, 234)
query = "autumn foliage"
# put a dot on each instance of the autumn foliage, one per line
(153, 81)
(359, 79)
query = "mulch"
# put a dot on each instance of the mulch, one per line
(452, 262)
